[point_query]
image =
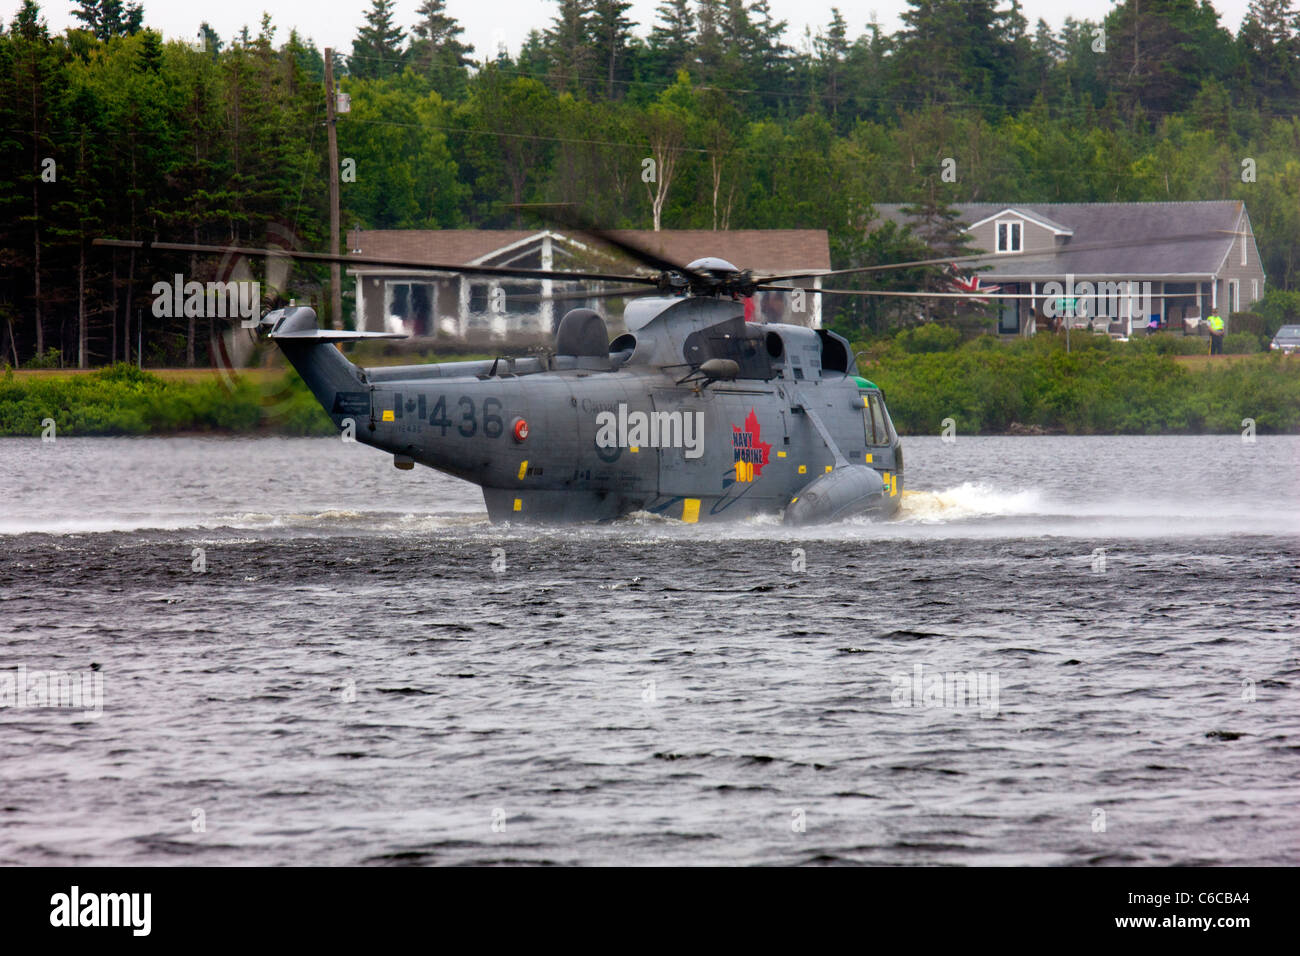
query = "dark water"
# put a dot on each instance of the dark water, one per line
(352, 680)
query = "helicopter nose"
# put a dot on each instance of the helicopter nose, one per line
(842, 493)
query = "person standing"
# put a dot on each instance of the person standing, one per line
(1216, 333)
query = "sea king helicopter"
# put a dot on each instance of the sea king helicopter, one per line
(692, 413)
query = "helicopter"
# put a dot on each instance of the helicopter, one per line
(692, 413)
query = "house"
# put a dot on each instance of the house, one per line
(448, 305)
(1112, 265)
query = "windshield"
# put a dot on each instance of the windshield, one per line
(1289, 331)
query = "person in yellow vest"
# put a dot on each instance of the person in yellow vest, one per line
(1216, 333)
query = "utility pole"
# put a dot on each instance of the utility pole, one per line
(336, 290)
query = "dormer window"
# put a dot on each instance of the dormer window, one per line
(1009, 235)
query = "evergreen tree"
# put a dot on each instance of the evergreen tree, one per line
(109, 18)
(672, 38)
(78, 214)
(377, 48)
(767, 55)
(1159, 52)
(709, 43)
(939, 226)
(1270, 47)
(954, 50)
(832, 49)
(610, 31)
(866, 75)
(436, 50)
(1079, 72)
(35, 85)
(211, 40)
(569, 46)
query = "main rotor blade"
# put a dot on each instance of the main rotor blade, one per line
(376, 261)
(1000, 256)
(571, 220)
(640, 252)
(576, 295)
(979, 294)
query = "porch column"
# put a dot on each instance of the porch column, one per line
(362, 324)
(817, 304)
(462, 322)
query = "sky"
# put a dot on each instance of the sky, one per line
(489, 23)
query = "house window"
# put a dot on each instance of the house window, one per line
(1009, 236)
(1243, 250)
(1254, 290)
(1234, 297)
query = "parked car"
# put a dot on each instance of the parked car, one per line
(1287, 339)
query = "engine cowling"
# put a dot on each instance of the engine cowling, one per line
(847, 491)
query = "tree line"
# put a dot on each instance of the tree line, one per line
(713, 116)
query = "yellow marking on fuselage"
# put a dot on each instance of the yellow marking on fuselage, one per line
(803, 469)
(388, 414)
(519, 504)
(691, 510)
(523, 469)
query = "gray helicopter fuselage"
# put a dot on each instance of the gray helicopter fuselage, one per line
(590, 437)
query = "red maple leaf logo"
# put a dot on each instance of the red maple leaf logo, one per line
(747, 444)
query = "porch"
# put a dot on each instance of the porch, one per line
(1120, 308)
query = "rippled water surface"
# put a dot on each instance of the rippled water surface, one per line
(366, 671)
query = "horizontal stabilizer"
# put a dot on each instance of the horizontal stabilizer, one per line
(331, 335)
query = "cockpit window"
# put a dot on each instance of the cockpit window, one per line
(735, 339)
(875, 421)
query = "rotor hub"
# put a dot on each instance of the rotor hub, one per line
(714, 276)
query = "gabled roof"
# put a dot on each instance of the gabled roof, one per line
(762, 250)
(1055, 227)
(1122, 239)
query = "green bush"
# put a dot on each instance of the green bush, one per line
(1240, 343)
(1251, 322)
(1279, 307)
(50, 358)
(1121, 389)
(931, 337)
(1167, 343)
(122, 400)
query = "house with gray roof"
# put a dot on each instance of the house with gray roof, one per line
(1172, 261)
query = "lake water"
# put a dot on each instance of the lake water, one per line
(1065, 651)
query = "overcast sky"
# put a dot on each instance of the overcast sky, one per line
(489, 22)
